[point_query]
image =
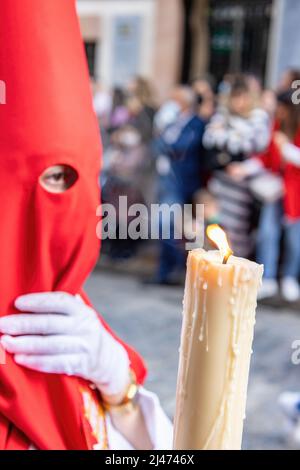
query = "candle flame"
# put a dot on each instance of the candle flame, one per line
(219, 238)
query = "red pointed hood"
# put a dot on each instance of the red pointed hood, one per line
(47, 241)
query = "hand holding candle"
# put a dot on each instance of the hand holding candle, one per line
(216, 341)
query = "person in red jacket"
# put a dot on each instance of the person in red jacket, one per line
(281, 158)
(66, 377)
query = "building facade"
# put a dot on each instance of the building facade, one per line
(177, 40)
(124, 38)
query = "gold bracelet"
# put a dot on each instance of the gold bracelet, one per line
(130, 398)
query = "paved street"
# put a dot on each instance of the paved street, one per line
(149, 318)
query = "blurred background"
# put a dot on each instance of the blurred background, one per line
(197, 103)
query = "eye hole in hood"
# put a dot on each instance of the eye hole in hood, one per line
(58, 179)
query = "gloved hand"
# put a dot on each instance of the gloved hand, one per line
(62, 335)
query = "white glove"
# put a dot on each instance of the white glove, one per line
(62, 335)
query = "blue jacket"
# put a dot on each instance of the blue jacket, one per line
(182, 144)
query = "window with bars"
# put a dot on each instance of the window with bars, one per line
(239, 36)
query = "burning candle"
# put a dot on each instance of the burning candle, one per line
(216, 345)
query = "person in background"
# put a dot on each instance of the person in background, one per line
(119, 115)
(269, 102)
(179, 159)
(127, 171)
(285, 150)
(288, 78)
(224, 89)
(141, 118)
(102, 103)
(128, 167)
(235, 133)
(205, 98)
(282, 157)
(142, 89)
(255, 89)
(141, 106)
(167, 113)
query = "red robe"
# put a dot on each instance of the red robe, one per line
(47, 241)
(272, 159)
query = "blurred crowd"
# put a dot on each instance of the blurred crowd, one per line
(232, 146)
